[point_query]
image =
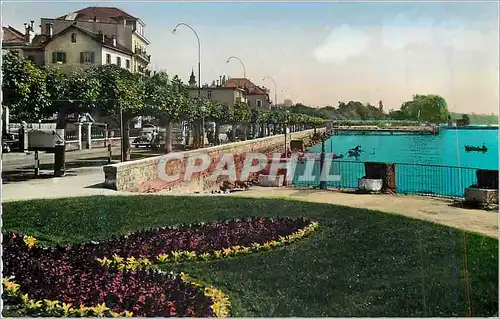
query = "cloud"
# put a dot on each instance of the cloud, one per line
(452, 32)
(342, 43)
(401, 32)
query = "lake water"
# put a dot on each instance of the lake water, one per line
(429, 164)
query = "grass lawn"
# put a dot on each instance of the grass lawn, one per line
(360, 263)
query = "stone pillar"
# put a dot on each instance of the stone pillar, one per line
(487, 179)
(105, 135)
(89, 135)
(79, 134)
(6, 114)
(384, 171)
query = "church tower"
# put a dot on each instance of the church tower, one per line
(192, 80)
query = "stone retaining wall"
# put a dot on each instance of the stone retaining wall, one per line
(142, 175)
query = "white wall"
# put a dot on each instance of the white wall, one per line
(114, 55)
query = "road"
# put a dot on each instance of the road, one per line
(11, 161)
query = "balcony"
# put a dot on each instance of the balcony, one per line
(141, 53)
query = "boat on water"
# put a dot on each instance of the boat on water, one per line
(470, 148)
(355, 152)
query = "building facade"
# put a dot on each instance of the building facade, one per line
(216, 92)
(128, 30)
(90, 36)
(255, 96)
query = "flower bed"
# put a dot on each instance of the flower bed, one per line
(71, 280)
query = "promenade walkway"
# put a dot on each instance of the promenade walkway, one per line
(86, 182)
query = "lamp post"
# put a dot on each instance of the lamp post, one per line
(275, 89)
(286, 122)
(242, 64)
(199, 72)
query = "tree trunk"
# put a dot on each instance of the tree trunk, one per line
(233, 132)
(126, 140)
(60, 150)
(245, 129)
(217, 133)
(168, 138)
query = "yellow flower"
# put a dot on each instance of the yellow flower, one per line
(100, 309)
(30, 241)
(114, 314)
(245, 250)
(185, 277)
(128, 314)
(51, 303)
(25, 298)
(218, 253)
(34, 304)
(121, 267)
(10, 287)
(255, 245)
(117, 258)
(190, 255)
(145, 262)
(162, 257)
(66, 307)
(205, 256)
(227, 251)
(176, 255)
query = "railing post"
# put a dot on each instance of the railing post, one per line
(322, 181)
(110, 154)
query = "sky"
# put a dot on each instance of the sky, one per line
(320, 53)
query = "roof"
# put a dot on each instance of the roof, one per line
(249, 86)
(102, 14)
(12, 36)
(108, 42)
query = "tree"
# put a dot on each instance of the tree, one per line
(465, 119)
(121, 93)
(432, 108)
(23, 89)
(166, 101)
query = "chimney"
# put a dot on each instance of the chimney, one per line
(220, 80)
(217, 83)
(113, 37)
(49, 30)
(94, 24)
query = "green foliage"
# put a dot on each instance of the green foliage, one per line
(23, 89)
(165, 98)
(359, 263)
(432, 108)
(119, 89)
(477, 119)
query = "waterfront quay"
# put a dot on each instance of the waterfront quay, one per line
(418, 130)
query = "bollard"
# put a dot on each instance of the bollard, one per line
(37, 164)
(110, 154)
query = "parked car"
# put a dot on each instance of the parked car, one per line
(143, 140)
(10, 142)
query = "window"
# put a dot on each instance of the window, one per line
(73, 37)
(108, 58)
(59, 57)
(118, 61)
(87, 57)
(127, 63)
(258, 103)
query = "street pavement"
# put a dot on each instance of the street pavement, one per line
(12, 161)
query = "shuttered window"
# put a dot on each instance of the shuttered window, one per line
(87, 57)
(59, 57)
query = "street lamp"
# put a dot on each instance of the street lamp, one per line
(199, 72)
(286, 122)
(242, 64)
(275, 89)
